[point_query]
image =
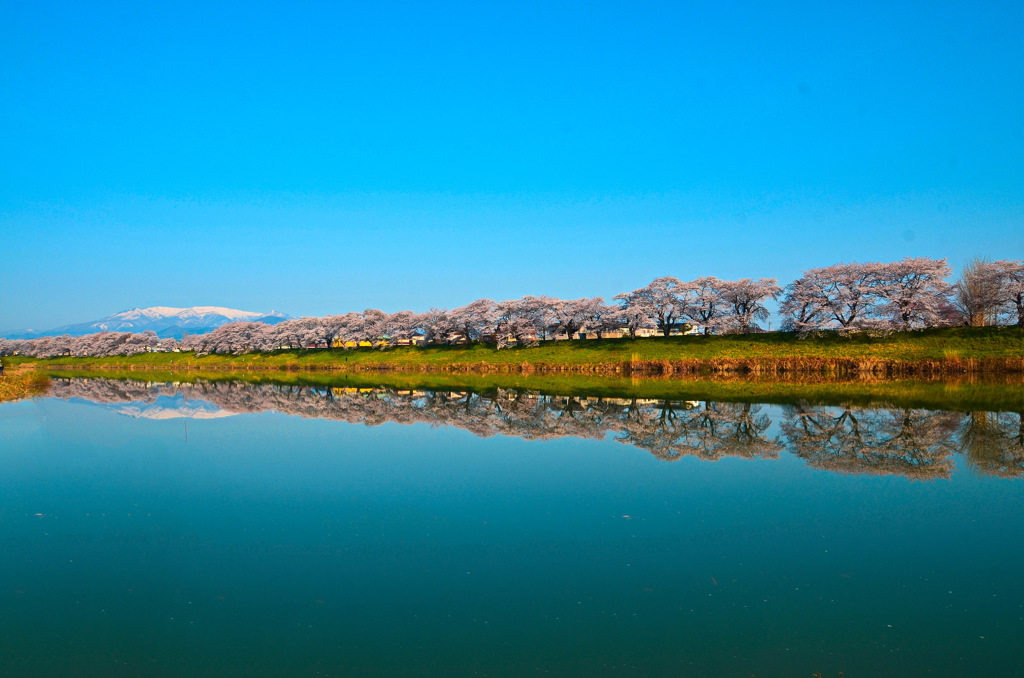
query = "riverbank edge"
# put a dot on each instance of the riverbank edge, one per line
(921, 353)
(685, 367)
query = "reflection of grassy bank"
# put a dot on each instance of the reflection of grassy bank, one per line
(927, 352)
(992, 393)
(22, 382)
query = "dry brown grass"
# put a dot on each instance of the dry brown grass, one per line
(22, 382)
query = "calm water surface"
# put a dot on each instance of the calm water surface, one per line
(242, 530)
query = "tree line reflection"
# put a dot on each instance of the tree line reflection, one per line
(914, 443)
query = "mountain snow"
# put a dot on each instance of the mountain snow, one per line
(166, 321)
(155, 312)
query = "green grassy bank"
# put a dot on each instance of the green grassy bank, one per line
(925, 352)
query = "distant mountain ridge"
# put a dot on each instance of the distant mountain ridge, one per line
(166, 321)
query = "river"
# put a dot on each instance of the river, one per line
(240, 529)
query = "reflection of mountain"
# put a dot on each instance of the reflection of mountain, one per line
(140, 400)
(913, 443)
(171, 407)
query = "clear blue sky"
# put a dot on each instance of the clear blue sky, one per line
(324, 157)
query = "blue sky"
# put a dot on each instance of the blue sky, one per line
(327, 157)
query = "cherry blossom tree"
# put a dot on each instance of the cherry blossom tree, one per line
(801, 309)
(475, 319)
(403, 326)
(342, 329)
(607, 318)
(659, 300)
(634, 312)
(141, 342)
(523, 320)
(375, 328)
(290, 333)
(331, 330)
(1010, 277)
(237, 338)
(311, 332)
(539, 312)
(703, 302)
(108, 343)
(844, 293)
(744, 301)
(913, 292)
(572, 315)
(977, 293)
(438, 326)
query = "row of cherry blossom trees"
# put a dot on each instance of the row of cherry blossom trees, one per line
(98, 344)
(908, 294)
(716, 305)
(666, 304)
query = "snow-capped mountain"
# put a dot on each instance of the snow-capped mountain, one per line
(166, 321)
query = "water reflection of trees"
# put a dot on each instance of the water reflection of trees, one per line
(913, 443)
(907, 442)
(707, 430)
(993, 442)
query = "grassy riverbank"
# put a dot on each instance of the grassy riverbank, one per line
(925, 352)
